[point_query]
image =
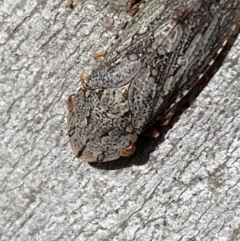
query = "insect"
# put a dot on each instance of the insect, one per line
(161, 54)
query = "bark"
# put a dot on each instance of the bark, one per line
(184, 186)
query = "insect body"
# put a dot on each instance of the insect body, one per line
(159, 57)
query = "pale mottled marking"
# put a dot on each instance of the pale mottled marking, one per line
(211, 62)
(200, 76)
(185, 92)
(152, 17)
(167, 36)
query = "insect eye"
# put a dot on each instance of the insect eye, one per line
(127, 151)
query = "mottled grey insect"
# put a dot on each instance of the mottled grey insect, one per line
(161, 54)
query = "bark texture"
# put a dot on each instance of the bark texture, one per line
(184, 186)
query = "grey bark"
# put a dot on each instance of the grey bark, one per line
(183, 187)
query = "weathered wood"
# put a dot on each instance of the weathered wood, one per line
(183, 187)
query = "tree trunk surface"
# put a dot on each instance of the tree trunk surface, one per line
(184, 186)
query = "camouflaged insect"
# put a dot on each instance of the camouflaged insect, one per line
(161, 54)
